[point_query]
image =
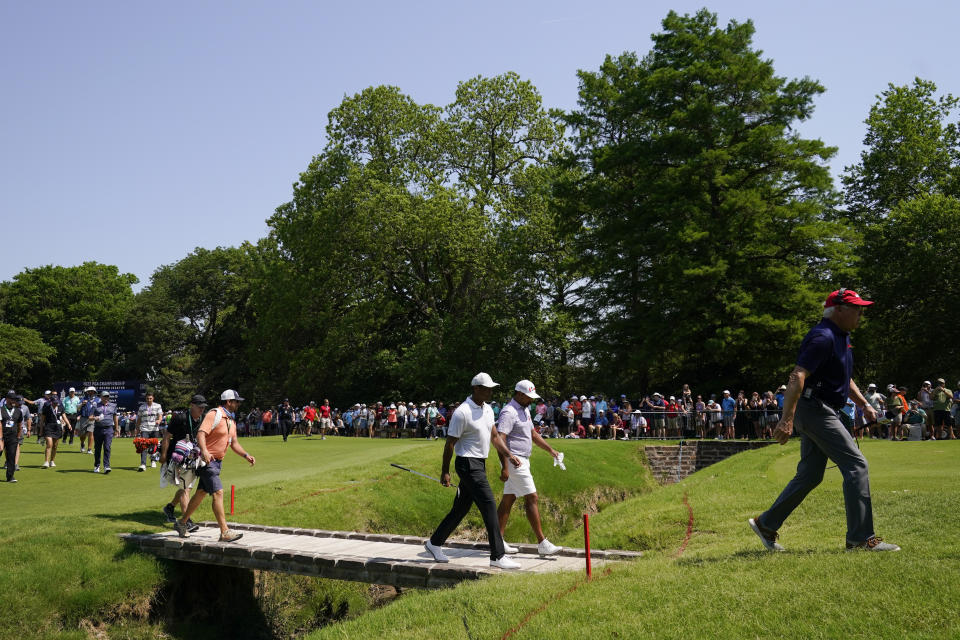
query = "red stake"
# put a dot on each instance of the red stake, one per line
(232, 491)
(586, 543)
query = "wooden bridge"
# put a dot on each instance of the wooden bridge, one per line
(396, 560)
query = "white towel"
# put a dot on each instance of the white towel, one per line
(558, 461)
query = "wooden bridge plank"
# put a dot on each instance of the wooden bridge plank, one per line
(386, 559)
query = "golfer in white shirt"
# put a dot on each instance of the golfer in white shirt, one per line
(516, 427)
(470, 435)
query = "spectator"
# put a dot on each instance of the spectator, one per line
(915, 419)
(700, 417)
(925, 396)
(771, 412)
(53, 425)
(392, 422)
(942, 398)
(729, 406)
(715, 411)
(149, 419)
(309, 417)
(757, 417)
(326, 420)
(88, 406)
(285, 416)
(876, 400)
(13, 419)
(106, 424)
(71, 407)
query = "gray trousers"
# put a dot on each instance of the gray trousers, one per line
(823, 437)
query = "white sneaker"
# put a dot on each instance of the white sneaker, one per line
(547, 548)
(142, 467)
(52, 463)
(96, 469)
(82, 450)
(45, 465)
(90, 451)
(436, 552)
(153, 465)
(507, 548)
(504, 563)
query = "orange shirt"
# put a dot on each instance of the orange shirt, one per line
(218, 439)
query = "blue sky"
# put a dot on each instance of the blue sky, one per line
(133, 132)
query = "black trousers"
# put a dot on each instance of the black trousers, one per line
(474, 489)
(10, 439)
(286, 426)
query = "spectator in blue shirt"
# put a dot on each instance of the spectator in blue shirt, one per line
(729, 406)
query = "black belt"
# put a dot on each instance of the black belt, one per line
(812, 393)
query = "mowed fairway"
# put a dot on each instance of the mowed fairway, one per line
(66, 572)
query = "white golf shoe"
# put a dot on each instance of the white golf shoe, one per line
(547, 548)
(503, 562)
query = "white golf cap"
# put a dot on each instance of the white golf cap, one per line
(872, 385)
(526, 388)
(583, 398)
(673, 397)
(90, 388)
(230, 394)
(926, 382)
(726, 391)
(71, 389)
(483, 380)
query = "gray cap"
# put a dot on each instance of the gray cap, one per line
(230, 394)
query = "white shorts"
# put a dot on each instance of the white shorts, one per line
(520, 481)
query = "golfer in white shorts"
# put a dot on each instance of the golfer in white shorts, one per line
(516, 428)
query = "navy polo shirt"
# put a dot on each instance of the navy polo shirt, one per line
(827, 354)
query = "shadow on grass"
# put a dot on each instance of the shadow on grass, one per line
(757, 554)
(152, 517)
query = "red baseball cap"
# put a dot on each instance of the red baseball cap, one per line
(846, 296)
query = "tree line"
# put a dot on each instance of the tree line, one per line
(674, 227)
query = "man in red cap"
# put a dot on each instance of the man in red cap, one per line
(818, 389)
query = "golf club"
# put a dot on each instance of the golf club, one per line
(422, 475)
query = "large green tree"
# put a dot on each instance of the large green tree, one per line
(710, 216)
(187, 330)
(399, 251)
(79, 311)
(22, 351)
(910, 271)
(903, 194)
(911, 150)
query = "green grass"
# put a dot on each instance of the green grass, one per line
(66, 575)
(65, 571)
(724, 585)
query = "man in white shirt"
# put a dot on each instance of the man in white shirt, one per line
(470, 433)
(149, 419)
(516, 428)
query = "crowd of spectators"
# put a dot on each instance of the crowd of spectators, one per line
(929, 414)
(722, 416)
